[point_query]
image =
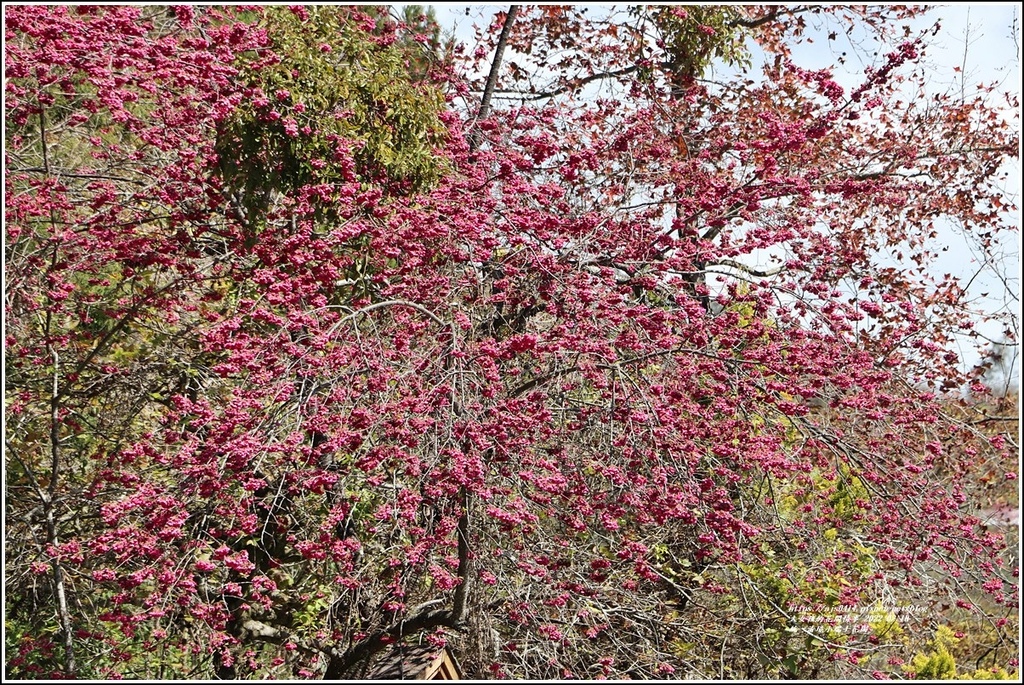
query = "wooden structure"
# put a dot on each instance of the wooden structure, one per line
(416, 662)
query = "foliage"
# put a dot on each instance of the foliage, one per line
(331, 88)
(939, 663)
(694, 37)
(278, 398)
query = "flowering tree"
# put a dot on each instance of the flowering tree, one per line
(309, 353)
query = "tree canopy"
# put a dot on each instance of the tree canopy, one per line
(324, 333)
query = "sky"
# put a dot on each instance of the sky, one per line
(977, 43)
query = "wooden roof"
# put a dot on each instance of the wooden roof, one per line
(416, 662)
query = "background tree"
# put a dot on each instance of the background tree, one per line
(304, 358)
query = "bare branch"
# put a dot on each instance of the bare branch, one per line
(395, 303)
(63, 613)
(575, 84)
(462, 591)
(492, 77)
(760, 273)
(342, 664)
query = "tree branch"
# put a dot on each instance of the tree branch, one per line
(492, 77)
(420, 619)
(771, 16)
(541, 380)
(341, 665)
(68, 174)
(462, 591)
(395, 303)
(63, 613)
(747, 269)
(50, 496)
(280, 636)
(578, 83)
